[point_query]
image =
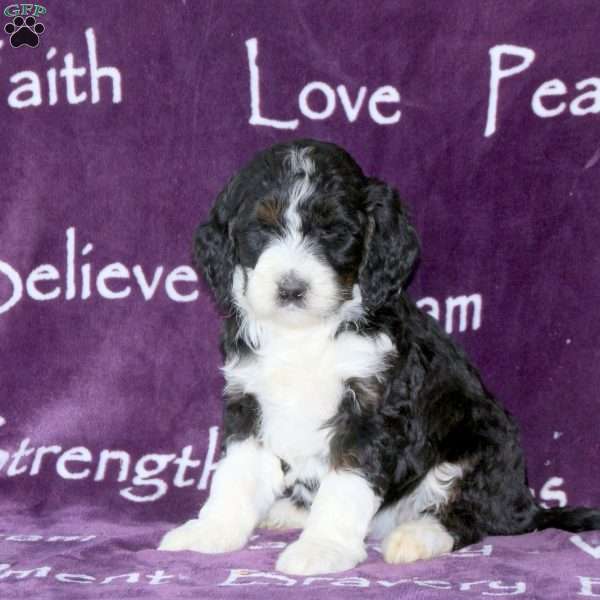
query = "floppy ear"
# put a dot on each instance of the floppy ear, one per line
(391, 247)
(214, 253)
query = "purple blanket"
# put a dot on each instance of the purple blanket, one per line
(60, 556)
(120, 122)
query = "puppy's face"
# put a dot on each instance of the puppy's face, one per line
(299, 232)
(298, 248)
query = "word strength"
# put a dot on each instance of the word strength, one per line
(79, 278)
(144, 479)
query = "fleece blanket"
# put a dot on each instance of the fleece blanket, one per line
(120, 123)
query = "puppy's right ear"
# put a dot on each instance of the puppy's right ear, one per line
(214, 253)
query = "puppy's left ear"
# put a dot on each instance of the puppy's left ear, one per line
(214, 253)
(392, 246)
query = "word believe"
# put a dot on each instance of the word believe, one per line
(112, 281)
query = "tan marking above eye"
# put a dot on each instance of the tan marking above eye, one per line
(270, 212)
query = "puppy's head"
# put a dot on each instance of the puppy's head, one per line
(300, 234)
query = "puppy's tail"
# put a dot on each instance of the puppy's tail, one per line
(569, 518)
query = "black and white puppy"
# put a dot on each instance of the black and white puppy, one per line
(348, 411)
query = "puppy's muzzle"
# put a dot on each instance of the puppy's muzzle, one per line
(291, 289)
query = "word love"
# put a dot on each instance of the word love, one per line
(550, 99)
(317, 100)
(112, 282)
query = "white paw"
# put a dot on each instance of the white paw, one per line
(284, 514)
(416, 540)
(204, 535)
(313, 557)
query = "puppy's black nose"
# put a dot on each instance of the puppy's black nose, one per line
(291, 290)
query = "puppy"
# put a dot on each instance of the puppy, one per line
(347, 411)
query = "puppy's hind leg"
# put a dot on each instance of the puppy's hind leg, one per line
(422, 538)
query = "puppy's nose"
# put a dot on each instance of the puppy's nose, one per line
(291, 290)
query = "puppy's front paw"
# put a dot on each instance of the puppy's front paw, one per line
(309, 556)
(204, 535)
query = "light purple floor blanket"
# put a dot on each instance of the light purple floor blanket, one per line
(70, 555)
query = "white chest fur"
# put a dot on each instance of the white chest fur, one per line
(298, 377)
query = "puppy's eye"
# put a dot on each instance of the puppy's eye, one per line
(249, 243)
(334, 230)
(325, 227)
(253, 236)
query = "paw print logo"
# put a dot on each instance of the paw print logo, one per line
(24, 32)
